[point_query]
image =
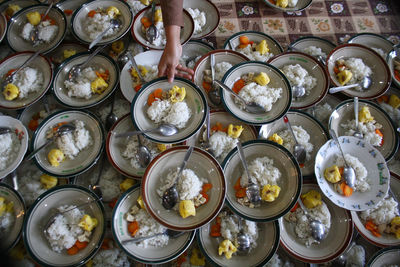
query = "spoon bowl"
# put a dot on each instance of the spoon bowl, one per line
(152, 31)
(298, 91)
(299, 152)
(163, 129)
(317, 228)
(243, 239)
(364, 84)
(168, 232)
(143, 154)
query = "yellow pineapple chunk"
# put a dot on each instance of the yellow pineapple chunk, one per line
(142, 69)
(161, 147)
(197, 259)
(10, 92)
(364, 115)
(344, 76)
(262, 79)
(158, 16)
(227, 247)
(55, 156)
(177, 94)
(3, 205)
(10, 206)
(140, 202)
(48, 181)
(112, 11)
(186, 208)
(88, 223)
(118, 46)
(276, 138)
(68, 53)
(33, 18)
(332, 174)
(270, 192)
(282, 3)
(145, 2)
(12, 9)
(235, 131)
(262, 47)
(395, 226)
(394, 101)
(99, 85)
(311, 199)
(126, 184)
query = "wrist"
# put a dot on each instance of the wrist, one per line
(172, 34)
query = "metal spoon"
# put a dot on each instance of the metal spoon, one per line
(111, 117)
(317, 228)
(152, 31)
(348, 172)
(76, 70)
(34, 35)
(243, 239)
(205, 142)
(298, 91)
(9, 78)
(115, 23)
(143, 153)
(299, 152)
(135, 65)
(170, 196)
(364, 84)
(64, 129)
(53, 217)
(251, 107)
(252, 189)
(357, 133)
(163, 129)
(213, 94)
(170, 233)
(5, 130)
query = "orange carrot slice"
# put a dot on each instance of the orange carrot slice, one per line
(73, 250)
(137, 87)
(206, 86)
(133, 227)
(244, 40)
(81, 245)
(145, 21)
(91, 13)
(238, 85)
(68, 12)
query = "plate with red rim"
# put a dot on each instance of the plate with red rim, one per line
(150, 255)
(314, 69)
(203, 64)
(223, 117)
(41, 63)
(386, 240)
(139, 35)
(381, 76)
(205, 166)
(115, 146)
(335, 243)
(318, 134)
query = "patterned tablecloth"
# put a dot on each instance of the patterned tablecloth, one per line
(334, 20)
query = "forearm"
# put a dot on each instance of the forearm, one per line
(172, 34)
(172, 12)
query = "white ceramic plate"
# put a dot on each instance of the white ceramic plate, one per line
(27, 114)
(204, 165)
(194, 49)
(57, 55)
(380, 77)
(99, 61)
(303, 42)
(21, 3)
(385, 257)
(373, 161)
(11, 239)
(35, 241)
(140, 37)
(79, 17)
(335, 243)
(18, 129)
(267, 244)
(67, 6)
(290, 181)
(392, 54)
(203, 64)
(372, 40)
(318, 135)
(148, 58)
(386, 240)
(211, 14)
(314, 68)
(194, 98)
(394, 114)
(345, 111)
(85, 159)
(149, 255)
(115, 147)
(278, 80)
(273, 45)
(223, 117)
(301, 5)
(17, 43)
(14, 61)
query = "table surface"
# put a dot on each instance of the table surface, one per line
(336, 21)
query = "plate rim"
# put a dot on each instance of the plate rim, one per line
(227, 44)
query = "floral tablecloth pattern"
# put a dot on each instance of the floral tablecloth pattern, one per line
(336, 21)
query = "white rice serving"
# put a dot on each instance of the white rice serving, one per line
(383, 213)
(28, 80)
(10, 146)
(314, 51)
(361, 183)
(130, 151)
(263, 95)
(299, 76)
(30, 187)
(81, 87)
(221, 144)
(97, 24)
(251, 52)
(277, 261)
(221, 68)
(263, 172)
(367, 129)
(358, 68)
(110, 258)
(136, 6)
(177, 113)
(199, 18)
(302, 136)
(46, 31)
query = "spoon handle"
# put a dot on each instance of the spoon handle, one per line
(99, 37)
(208, 125)
(153, 11)
(289, 126)
(139, 239)
(341, 88)
(101, 167)
(356, 111)
(34, 152)
(185, 160)
(212, 64)
(334, 136)
(223, 86)
(48, 9)
(92, 55)
(135, 65)
(131, 133)
(29, 60)
(244, 163)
